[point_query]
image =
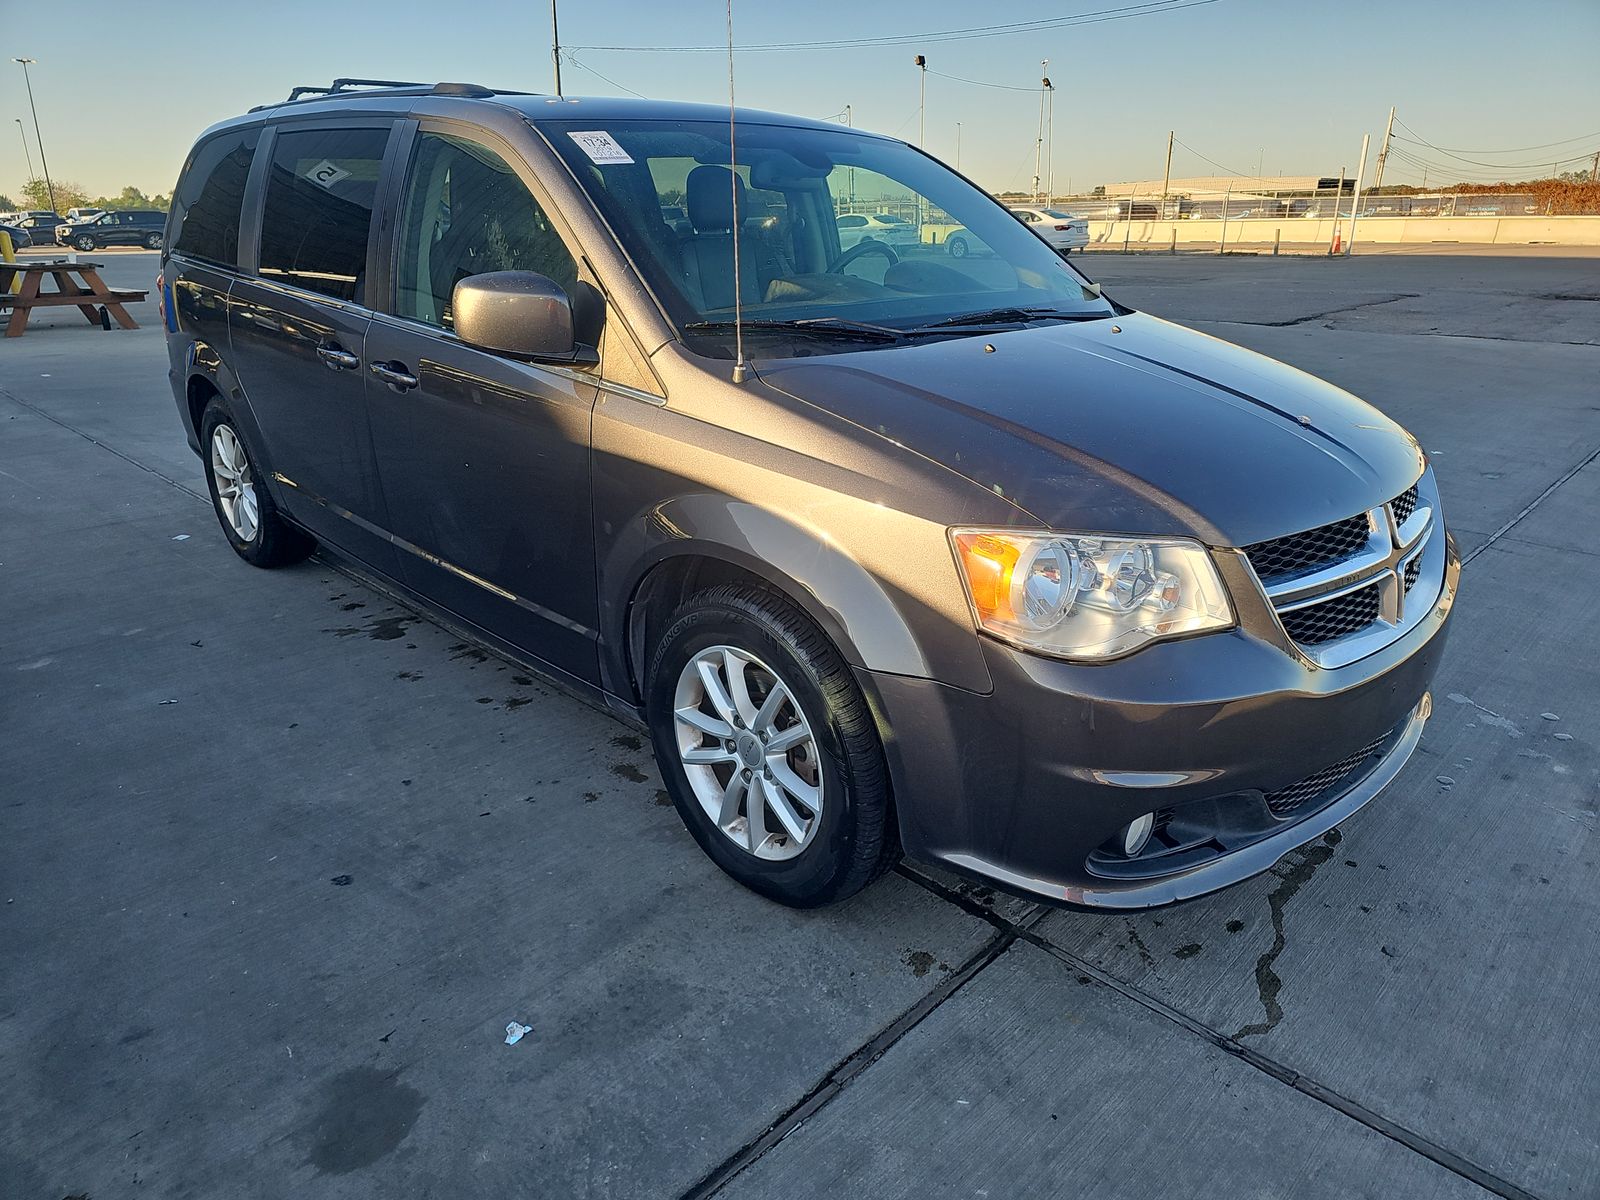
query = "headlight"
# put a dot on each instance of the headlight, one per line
(1088, 597)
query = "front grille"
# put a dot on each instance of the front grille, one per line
(1313, 548)
(1284, 802)
(1328, 619)
(1413, 569)
(1404, 505)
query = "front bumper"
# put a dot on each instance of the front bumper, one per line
(1025, 786)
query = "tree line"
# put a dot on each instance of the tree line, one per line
(36, 197)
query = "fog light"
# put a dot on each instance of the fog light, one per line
(1136, 833)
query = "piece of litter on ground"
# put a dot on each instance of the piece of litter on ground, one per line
(180, 537)
(514, 1033)
(1446, 781)
(1550, 716)
(167, 702)
(1563, 737)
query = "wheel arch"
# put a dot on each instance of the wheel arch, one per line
(690, 544)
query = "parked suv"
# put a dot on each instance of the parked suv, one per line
(125, 227)
(955, 557)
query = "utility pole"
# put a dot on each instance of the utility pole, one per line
(23, 135)
(43, 161)
(922, 100)
(1355, 202)
(1594, 169)
(555, 46)
(1050, 144)
(1383, 153)
(1038, 142)
(1166, 177)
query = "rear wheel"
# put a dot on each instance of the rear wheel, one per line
(249, 519)
(957, 246)
(768, 749)
(152, 241)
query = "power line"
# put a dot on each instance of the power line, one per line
(582, 66)
(1214, 163)
(1094, 17)
(1516, 150)
(1004, 87)
(1417, 139)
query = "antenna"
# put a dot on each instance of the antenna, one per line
(733, 186)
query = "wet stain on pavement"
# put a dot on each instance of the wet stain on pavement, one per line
(466, 650)
(379, 629)
(629, 772)
(1188, 951)
(921, 962)
(662, 799)
(1137, 943)
(1302, 864)
(627, 741)
(1234, 926)
(365, 1114)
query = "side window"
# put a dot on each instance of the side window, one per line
(205, 208)
(465, 213)
(318, 209)
(851, 222)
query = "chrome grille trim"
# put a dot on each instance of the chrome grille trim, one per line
(1404, 547)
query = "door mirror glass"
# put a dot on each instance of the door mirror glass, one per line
(518, 313)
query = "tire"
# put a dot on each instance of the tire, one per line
(251, 522)
(850, 839)
(84, 242)
(957, 246)
(152, 241)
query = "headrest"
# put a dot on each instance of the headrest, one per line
(710, 199)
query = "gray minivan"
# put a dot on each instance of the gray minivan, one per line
(891, 552)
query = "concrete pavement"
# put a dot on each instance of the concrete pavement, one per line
(281, 860)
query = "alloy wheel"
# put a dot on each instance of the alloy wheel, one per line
(236, 490)
(749, 752)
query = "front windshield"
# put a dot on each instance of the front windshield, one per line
(833, 225)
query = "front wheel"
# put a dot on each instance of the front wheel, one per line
(768, 749)
(84, 242)
(249, 518)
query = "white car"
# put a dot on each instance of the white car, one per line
(892, 231)
(75, 215)
(1062, 232)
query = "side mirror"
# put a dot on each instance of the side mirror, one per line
(517, 313)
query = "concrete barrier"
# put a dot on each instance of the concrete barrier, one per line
(1256, 231)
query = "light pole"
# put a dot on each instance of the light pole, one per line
(922, 100)
(43, 161)
(21, 133)
(1050, 143)
(958, 145)
(1038, 142)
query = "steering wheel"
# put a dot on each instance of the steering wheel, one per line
(857, 251)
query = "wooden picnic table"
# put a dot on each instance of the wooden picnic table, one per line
(86, 295)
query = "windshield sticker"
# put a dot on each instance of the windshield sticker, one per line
(327, 174)
(600, 146)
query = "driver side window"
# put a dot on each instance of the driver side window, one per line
(467, 213)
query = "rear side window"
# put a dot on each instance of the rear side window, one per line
(205, 208)
(318, 209)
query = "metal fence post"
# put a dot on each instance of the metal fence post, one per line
(1277, 232)
(1173, 248)
(1222, 246)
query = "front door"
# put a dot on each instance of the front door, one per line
(484, 460)
(299, 330)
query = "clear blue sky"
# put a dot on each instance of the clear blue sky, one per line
(1289, 83)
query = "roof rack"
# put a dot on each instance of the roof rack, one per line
(367, 87)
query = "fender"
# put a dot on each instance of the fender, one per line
(872, 627)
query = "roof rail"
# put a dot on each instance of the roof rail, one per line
(368, 87)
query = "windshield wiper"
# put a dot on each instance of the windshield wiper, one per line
(1010, 316)
(811, 326)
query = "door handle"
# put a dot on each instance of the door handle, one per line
(395, 375)
(338, 358)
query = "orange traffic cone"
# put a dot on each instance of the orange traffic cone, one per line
(1338, 242)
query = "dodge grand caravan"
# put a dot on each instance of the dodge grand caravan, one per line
(891, 552)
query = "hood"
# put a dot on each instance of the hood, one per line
(1153, 429)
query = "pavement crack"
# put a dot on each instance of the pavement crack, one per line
(1528, 508)
(1332, 312)
(1268, 983)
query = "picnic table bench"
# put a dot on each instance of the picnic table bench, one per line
(86, 295)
